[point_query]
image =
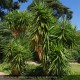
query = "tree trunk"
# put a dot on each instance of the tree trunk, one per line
(39, 53)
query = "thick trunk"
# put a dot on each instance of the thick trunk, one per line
(39, 53)
(15, 73)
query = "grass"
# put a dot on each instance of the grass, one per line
(4, 68)
(74, 75)
(75, 68)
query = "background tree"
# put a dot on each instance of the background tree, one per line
(9, 5)
(76, 49)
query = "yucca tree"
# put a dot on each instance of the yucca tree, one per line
(58, 61)
(17, 50)
(61, 40)
(58, 8)
(17, 53)
(42, 22)
(19, 23)
(4, 38)
(65, 34)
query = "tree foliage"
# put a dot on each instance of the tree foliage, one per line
(51, 38)
(19, 22)
(58, 8)
(42, 22)
(9, 5)
(17, 53)
(4, 38)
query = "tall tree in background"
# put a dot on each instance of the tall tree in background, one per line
(8, 5)
(59, 9)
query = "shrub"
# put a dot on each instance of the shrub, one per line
(17, 53)
(33, 70)
(78, 60)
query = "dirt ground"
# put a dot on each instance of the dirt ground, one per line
(2, 73)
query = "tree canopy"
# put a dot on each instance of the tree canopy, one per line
(58, 8)
(9, 5)
(44, 30)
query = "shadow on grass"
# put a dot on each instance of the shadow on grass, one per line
(39, 78)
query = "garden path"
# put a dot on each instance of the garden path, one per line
(2, 73)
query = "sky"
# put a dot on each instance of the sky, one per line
(73, 5)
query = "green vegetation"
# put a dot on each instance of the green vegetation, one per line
(75, 68)
(9, 5)
(39, 35)
(5, 68)
(33, 68)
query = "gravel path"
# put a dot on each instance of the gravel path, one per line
(2, 73)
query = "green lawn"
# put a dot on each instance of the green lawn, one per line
(75, 68)
(4, 68)
(74, 74)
